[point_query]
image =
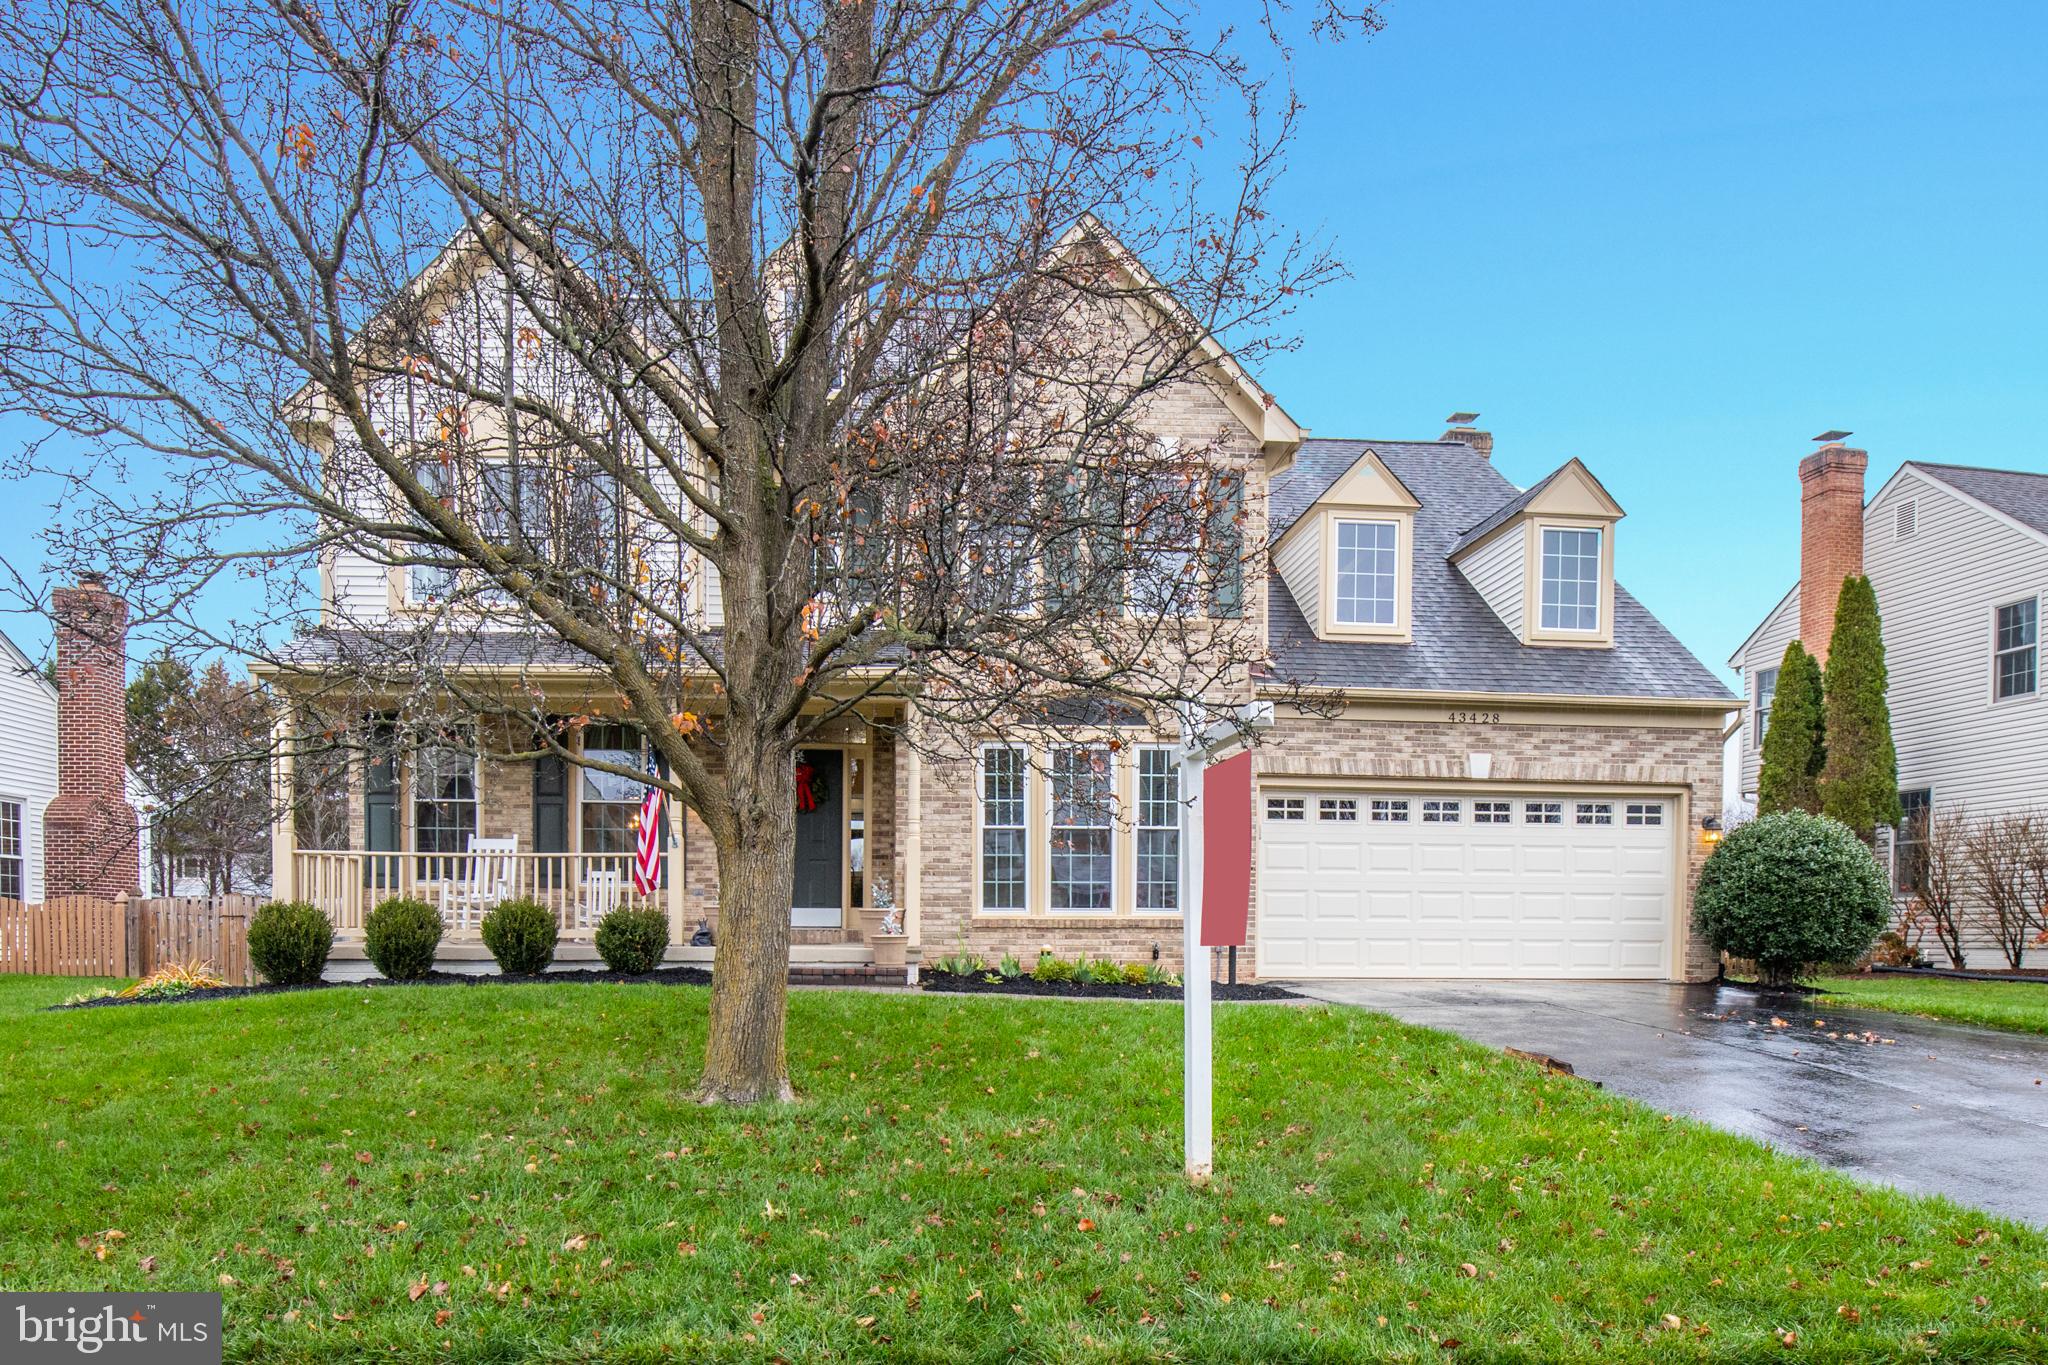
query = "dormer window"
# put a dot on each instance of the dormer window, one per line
(1571, 579)
(1367, 572)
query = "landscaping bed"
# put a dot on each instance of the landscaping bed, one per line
(522, 1174)
(957, 983)
(664, 976)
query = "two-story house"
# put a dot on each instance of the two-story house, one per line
(1489, 759)
(1958, 557)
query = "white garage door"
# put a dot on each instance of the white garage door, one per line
(1448, 884)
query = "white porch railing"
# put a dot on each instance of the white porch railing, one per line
(579, 887)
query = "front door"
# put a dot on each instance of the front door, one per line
(820, 839)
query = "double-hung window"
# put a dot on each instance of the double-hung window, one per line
(1571, 579)
(1366, 569)
(1083, 864)
(1158, 831)
(1766, 694)
(1003, 850)
(609, 805)
(2015, 668)
(443, 804)
(1166, 533)
(437, 581)
(1909, 843)
(13, 871)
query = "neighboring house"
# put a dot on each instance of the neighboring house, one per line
(30, 783)
(1958, 557)
(1501, 766)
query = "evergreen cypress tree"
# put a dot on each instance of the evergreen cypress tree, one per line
(1860, 783)
(1794, 748)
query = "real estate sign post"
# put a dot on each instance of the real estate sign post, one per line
(1215, 909)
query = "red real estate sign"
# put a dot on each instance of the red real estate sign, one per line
(1226, 851)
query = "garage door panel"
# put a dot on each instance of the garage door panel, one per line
(1415, 898)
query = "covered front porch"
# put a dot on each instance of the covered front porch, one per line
(464, 824)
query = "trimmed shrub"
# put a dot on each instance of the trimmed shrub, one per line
(1052, 968)
(521, 934)
(632, 940)
(289, 942)
(1134, 973)
(400, 936)
(1790, 890)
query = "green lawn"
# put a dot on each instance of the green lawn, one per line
(512, 1173)
(2018, 1005)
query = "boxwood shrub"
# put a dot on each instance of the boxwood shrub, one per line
(632, 940)
(289, 942)
(400, 936)
(521, 934)
(1791, 890)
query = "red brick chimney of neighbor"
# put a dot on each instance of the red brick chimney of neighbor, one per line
(89, 832)
(1830, 535)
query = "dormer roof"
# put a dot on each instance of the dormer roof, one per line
(1568, 490)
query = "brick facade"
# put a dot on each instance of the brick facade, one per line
(91, 844)
(1830, 538)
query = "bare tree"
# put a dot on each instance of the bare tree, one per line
(2004, 851)
(572, 311)
(1940, 873)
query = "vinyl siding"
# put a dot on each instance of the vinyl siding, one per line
(1300, 563)
(1766, 650)
(1498, 572)
(28, 760)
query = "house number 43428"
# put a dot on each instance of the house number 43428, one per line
(1475, 717)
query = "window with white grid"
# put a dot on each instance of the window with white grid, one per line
(1003, 852)
(1366, 565)
(1594, 813)
(13, 871)
(1491, 812)
(1083, 870)
(1542, 812)
(1158, 830)
(1644, 813)
(1571, 579)
(1441, 812)
(1286, 808)
(1339, 808)
(1390, 812)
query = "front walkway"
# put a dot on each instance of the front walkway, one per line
(1943, 1109)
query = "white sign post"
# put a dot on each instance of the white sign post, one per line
(1199, 747)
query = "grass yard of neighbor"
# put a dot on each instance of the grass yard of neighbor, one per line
(517, 1174)
(2021, 1006)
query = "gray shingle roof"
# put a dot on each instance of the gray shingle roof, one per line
(2021, 496)
(1459, 644)
(1507, 509)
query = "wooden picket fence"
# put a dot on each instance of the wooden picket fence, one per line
(127, 936)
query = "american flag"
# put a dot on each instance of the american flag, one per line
(647, 860)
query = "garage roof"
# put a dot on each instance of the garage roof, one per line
(1460, 646)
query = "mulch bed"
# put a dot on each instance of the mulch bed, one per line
(662, 976)
(1101, 990)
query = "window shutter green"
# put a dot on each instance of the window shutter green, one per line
(1223, 545)
(1105, 542)
(380, 806)
(550, 809)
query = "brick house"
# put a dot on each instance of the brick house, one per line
(1501, 771)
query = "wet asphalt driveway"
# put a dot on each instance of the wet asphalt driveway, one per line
(1942, 1109)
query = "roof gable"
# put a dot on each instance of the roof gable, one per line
(1570, 490)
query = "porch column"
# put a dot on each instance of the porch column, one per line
(283, 825)
(678, 895)
(910, 836)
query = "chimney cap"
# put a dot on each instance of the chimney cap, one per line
(1459, 419)
(1833, 435)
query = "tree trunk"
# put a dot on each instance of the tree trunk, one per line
(744, 1059)
(1777, 976)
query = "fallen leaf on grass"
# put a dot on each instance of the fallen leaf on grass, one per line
(416, 1290)
(1085, 1225)
(577, 1242)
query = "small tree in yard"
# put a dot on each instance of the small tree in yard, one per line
(1941, 876)
(2006, 856)
(1860, 783)
(1789, 891)
(1794, 749)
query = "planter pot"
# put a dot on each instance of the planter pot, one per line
(889, 949)
(870, 921)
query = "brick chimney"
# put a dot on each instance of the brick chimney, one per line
(1830, 535)
(1461, 429)
(89, 833)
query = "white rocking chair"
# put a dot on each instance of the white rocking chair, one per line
(466, 900)
(602, 892)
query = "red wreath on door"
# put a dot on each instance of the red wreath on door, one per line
(806, 799)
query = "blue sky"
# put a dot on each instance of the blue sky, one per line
(1674, 241)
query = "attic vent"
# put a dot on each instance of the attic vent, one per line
(1909, 513)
